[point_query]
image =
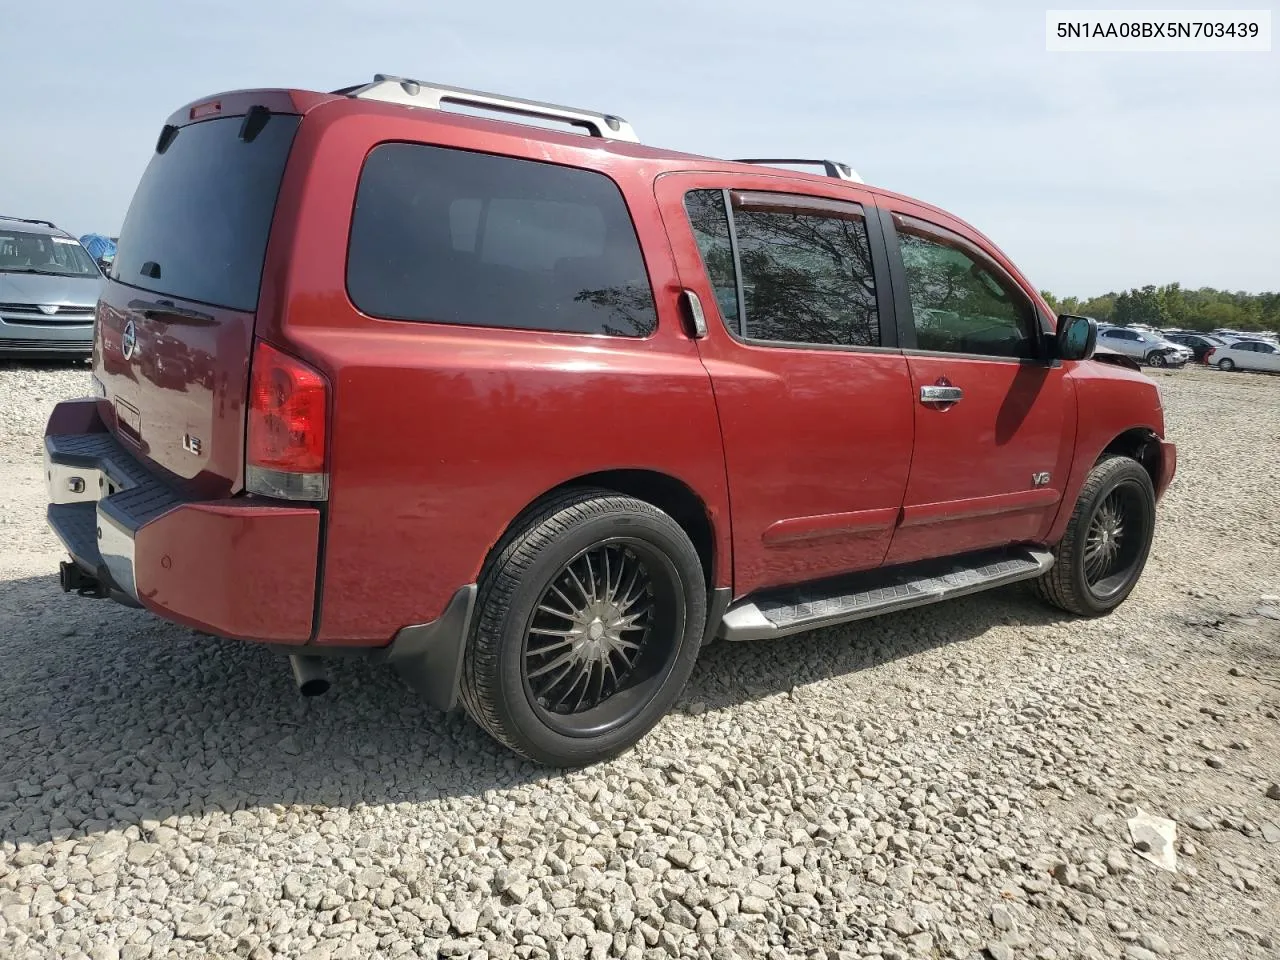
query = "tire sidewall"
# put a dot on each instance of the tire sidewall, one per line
(658, 531)
(1226, 365)
(1120, 471)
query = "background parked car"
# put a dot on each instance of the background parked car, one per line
(49, 286)
(1144, 346)
(1247, 355)
(1200, 344)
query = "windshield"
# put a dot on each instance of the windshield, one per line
(22, 252)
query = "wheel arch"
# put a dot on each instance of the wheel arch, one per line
(1140, 444)
(668, 493)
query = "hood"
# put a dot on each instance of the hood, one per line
(1107, 355)
(38, 288)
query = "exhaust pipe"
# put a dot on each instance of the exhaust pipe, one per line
(308, 674)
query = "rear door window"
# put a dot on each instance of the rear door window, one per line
(449, 236)
(198, 224)
(806, 272)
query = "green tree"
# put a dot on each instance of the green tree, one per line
(1141, 306)
(1172, 305)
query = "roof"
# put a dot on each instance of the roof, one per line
(43, 227)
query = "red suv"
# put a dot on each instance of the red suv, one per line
(533, 414)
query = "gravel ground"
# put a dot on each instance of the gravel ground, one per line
(949, 782)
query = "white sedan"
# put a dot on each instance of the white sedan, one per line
(1246, 355)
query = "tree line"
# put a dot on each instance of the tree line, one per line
(1172, 306)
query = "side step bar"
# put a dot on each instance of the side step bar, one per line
(780, 613)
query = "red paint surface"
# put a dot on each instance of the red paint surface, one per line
(439, 436)
(198, 389)
(810, 436)
(231, 568)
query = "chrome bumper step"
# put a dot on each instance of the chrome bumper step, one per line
(99, 497)
(780, 613)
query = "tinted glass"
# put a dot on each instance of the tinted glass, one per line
(22, 252)
(806, 274)
(960, 303)
(710, 222)
(198, 224)
(455, 237)
(1076, 336)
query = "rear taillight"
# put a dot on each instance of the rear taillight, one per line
(1208, 354)
(285, 442)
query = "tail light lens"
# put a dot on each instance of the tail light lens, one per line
(286, 431)
(1208, 354)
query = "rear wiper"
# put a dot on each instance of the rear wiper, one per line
(151, 309)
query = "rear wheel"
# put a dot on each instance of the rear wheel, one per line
(587, 626)
(1226, 365)
(1108, 538)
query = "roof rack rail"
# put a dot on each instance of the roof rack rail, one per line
(832, 168)
(419, 93)
(43, 223)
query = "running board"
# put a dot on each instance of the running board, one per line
(780, 613)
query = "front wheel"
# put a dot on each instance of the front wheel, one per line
(588, 623)
(1108, 538)
(1226, 365)
(1156, 360)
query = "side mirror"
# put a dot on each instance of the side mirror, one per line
(1077, 337)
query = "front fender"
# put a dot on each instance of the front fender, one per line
(1113, 402)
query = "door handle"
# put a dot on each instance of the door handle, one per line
(940, 395)
(697, 318)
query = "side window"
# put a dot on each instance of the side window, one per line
(449, 236)
(806, 272)
(710, 222)
(959, 302)
(806, 267)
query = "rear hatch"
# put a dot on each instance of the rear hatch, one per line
(176, 318)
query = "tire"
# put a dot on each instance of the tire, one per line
(1226, 365)
(518, 641)
(1156, 359)
(1067, 585)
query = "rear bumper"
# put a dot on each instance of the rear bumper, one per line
(238, 568)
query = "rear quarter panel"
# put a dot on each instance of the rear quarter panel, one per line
(441, 435)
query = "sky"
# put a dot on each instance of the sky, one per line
(1093, 172)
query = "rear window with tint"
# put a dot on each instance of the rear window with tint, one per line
(198, 224)
(449, 236)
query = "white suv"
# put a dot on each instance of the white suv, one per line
(1144, 346)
